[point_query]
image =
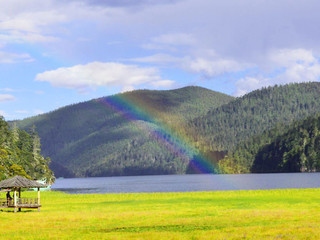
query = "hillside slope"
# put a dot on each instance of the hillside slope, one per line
(225, 127)
(121, 134)
(296, 150)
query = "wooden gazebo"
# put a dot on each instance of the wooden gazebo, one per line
(15, 184)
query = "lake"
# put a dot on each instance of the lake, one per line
(187, 183)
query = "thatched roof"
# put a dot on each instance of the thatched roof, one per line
(18, 181)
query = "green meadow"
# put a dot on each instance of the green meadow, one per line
(258, 214)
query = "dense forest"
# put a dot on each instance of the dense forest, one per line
(282, 149)
(297, 150)
(20, 154)
(227, 126)
(125, 134)
(169, 132)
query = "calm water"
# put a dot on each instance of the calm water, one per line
(187, 183)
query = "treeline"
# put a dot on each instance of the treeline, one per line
(145, 155)
(283, 149)
(297, 150)
(20, 154)
(123, 134)
(171, 132)
(149, 151)
(223, 128)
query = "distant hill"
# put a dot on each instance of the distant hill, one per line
(171, 132)
(124, 134)
(293, 148)
(296, 150)
(241, 127)
(225, 127)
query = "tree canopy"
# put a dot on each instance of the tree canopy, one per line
(20, 154)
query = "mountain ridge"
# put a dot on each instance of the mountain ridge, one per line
(137, 133)
(257, 111)
(103, 125)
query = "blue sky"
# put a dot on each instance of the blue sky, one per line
(55, 53)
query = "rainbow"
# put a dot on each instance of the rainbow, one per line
(176, 144)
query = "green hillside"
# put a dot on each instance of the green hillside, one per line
(20, 154)
(296, 150)
(171, 132)
(293, 148)
(124, 134)
(225, 127)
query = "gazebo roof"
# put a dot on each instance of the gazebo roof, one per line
(19, 182)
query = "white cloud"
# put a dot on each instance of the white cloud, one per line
(220, 25)
(32, 22)
(22, 37)
(162, 84)
(8, 90)
(203, 37)
(249, 84)
(6, 57)
(6, 98)
(300, 65)
(37, 21)
(288, 65)
(159, 58)
(205, 62)
(208, 66)
(212, 68)
(97, 74)
(301, 73)
(289, 57)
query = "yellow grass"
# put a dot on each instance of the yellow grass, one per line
(266, 214)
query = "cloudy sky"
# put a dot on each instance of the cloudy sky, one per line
(54, 53)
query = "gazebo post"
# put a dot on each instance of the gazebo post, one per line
(39, 199)
(19, 198)
(15, 200)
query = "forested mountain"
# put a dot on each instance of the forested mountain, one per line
(297, 150)
(282, 149)
(170, 132)
(227, 126)
(20, 154)
(125, 134)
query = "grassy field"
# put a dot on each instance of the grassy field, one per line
(265, 214)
